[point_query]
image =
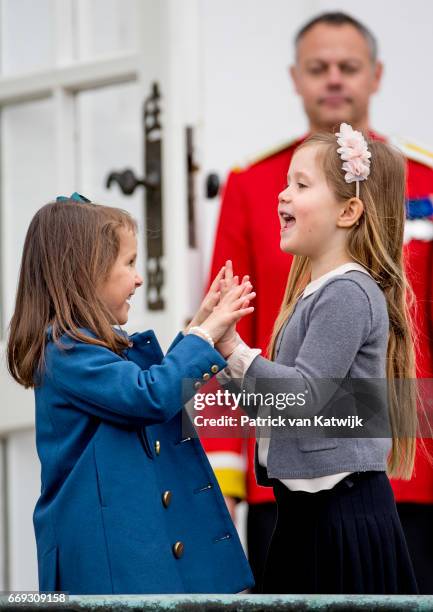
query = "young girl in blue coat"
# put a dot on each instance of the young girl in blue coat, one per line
(128, 503)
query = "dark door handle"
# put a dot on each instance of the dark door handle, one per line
(212, 185)
(128, 182)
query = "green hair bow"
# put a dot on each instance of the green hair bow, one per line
(77, 197)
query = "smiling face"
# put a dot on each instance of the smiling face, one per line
(123, 278)
(308, 210)
(335, 76)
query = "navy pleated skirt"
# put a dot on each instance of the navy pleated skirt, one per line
(345, 540)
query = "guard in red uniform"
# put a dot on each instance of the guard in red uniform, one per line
(330, 51)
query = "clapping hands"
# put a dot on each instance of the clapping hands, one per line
(224, 305)
(230, 339)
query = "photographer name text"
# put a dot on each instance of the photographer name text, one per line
(350, 422)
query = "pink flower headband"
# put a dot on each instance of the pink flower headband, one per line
(355, 155)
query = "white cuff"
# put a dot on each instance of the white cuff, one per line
(240, 360)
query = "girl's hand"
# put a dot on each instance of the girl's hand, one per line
(230, 338)
(210, 300)
(230, 309)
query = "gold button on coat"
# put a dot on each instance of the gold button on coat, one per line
(214, 369)
(166, 498)
(197, 385)
(157, 447)
(178, 549)
(206, 376)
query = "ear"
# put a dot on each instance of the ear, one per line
(350, 214)
(377, 76)
(295, 79)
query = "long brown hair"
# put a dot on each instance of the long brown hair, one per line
(377, 244)
(69, 249)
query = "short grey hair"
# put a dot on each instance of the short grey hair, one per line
(339, 19)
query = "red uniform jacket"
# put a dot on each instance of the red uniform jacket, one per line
(248, 232)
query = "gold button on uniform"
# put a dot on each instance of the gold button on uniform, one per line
(166, 498)
(197, 385)
(214, 369)
(206, 376)
(157, 447)
(178, 549)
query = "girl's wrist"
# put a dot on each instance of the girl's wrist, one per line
(227, 347)
(228, 352)
(203, 333)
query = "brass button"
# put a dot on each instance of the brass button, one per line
(157, 447)
(214, 369)
(178, 549)
(166, 498)
(206, 376)
(197, 385)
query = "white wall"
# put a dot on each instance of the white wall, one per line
(248, 101)
(23, 477)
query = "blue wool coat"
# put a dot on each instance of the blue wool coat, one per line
(128, 504)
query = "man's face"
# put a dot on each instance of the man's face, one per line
(335, 76)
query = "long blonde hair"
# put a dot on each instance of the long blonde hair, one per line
(69, 248)
(377, 244)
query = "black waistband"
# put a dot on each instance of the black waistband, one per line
(348, 482)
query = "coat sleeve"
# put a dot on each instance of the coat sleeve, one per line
(176, 341)
(99, 382)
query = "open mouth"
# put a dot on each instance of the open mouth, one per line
(128, 299)
(287, 220)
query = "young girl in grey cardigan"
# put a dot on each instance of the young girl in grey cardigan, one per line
(344, 316)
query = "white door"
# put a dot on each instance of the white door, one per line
(74, 77)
